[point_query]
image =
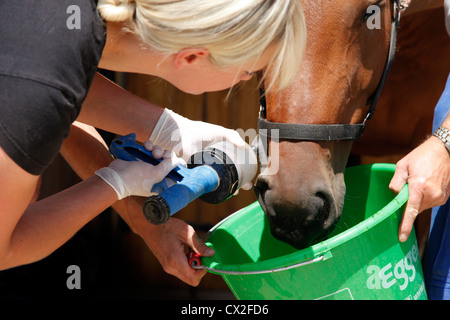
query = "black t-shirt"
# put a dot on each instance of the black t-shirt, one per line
(49, 53)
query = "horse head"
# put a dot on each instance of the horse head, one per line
(301, 189)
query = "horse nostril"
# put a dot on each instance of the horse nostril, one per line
(262, 184)
(324, 211)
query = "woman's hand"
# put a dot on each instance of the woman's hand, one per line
(137, 178)
(168, 241)
(426, 169)
(186, 137)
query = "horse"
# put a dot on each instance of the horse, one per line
(345, 67)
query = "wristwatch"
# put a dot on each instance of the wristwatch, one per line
(443, 134)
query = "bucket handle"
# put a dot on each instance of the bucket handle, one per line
(196, 265)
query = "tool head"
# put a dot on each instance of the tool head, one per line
(234, 166)
(156, 210)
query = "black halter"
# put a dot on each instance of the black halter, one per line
(332, 132)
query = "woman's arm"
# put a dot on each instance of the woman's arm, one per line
(111, 108)
(30, 232)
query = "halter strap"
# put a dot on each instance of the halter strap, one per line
(314, 132)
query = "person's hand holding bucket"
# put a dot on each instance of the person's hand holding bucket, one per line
(426, 169)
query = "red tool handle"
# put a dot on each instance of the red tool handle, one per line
(194, 259)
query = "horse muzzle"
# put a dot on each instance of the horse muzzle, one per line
(301, 222)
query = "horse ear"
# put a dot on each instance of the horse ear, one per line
(188, 56)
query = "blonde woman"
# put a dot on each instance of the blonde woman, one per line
(49, 54)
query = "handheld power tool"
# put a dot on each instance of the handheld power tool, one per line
(213, 175)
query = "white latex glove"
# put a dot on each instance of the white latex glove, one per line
(186, 137)
(137, 178)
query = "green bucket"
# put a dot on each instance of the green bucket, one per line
(362, 259)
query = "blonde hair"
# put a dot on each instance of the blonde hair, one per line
(234, 31)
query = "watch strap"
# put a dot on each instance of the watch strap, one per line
(443, 134)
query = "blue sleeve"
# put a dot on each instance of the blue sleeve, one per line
(437, 262)
(443, 107)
